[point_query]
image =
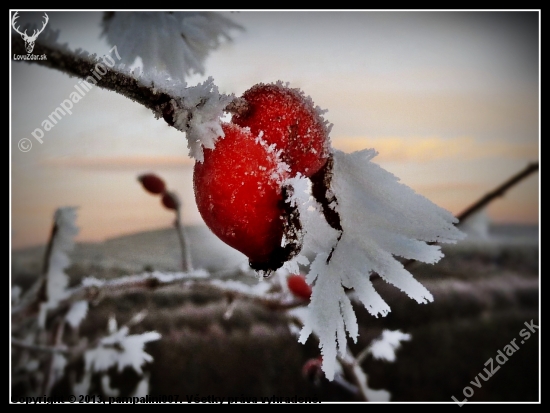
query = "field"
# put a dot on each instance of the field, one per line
(484, 291)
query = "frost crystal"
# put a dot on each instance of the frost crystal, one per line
(174, 42)
(120, 349)
(15, 294)
(384, 347)
(62, 244)
(381, 218)
(77, 313)
(198, 114)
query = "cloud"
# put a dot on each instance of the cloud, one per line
(424, 149)
(119, 162)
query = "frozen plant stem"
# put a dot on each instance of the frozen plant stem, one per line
(36, 347)
(50, 378)
(37, 293)
(80, 66)
(187, 263)
(363, 355)
(353, 369)
(499, 191)
(156, 186)
(490, 197)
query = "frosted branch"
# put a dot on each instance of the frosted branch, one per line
(164, 97)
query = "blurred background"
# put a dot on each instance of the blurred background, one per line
(450, 100)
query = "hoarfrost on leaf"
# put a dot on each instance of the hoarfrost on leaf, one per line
(62, 243)
(59, 362)
(174, 42)
(477, 226)
(142, 388)
(77, 313)
(384, 347)
(15, 294)
(380, 218)
(121, 350)
(198, 113)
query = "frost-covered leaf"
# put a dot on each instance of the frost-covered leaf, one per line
(199, 114)
(175, 42)
(196, 110)
(15, 294)
(121, 350)
(476, 226)
(384, 347)
(58, 366)
(58, 260)
(142, 388)
(380, 218)
(112, 325)
(77, 313)
(63, 243)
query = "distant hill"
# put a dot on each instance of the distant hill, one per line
(157, 249)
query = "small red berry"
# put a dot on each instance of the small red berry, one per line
(238, 190)
(152, 183)
(311, 370)
(299, 287)
(286, 118)
(170, 200)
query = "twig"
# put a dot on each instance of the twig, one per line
(150, 281)
(36, 347)
(351, 367)
(498, 191)
(489, 197)
(81, 66)
(353, 370)
(37, 293)
(48, 252)
(50, 379)
(363, 354)
(187, 262)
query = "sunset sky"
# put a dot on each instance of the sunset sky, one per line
(450, 100)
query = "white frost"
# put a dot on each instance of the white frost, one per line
(77, 313)
(198, 113)
(384, 347)
(15, 294)
(174, 42)
(121, 350)
(63, 243)
(381, 218)
(477, 226)
(58, 260)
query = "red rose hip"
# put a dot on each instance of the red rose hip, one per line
(239, 194)
(287, 118)
(170, 200)
(299, 287)
(152, 183)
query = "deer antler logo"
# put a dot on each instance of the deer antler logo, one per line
(29, 40)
